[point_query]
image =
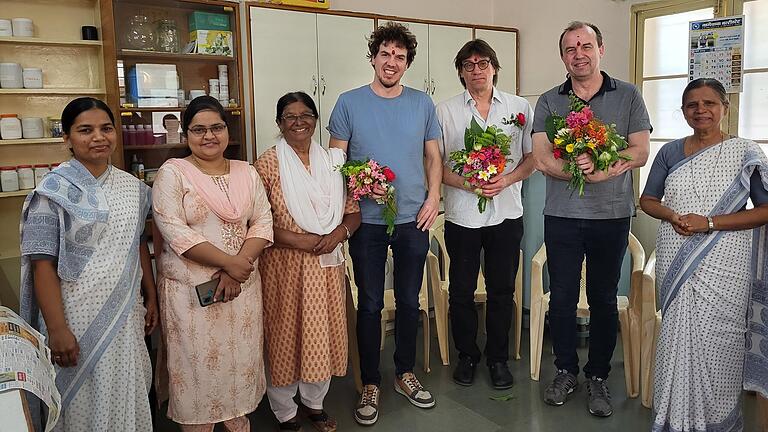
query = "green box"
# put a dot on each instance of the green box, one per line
(208, 21)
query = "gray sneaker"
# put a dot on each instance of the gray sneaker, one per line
(564, 384)
(598, 397)
(367, 410)
(409, 386)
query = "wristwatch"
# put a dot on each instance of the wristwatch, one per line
(710, 225)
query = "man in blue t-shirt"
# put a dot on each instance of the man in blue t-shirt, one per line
(396, 126)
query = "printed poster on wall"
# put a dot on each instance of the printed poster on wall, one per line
(716, 50)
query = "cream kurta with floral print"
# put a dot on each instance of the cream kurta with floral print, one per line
(214, 354)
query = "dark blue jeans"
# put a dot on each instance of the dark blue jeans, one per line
(603, 242)
(501, 247)
(368, 249)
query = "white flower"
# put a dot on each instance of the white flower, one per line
(492, 169)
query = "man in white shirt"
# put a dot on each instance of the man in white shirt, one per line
(498, 230)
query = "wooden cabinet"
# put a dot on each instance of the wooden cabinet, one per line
(193, 73)
(322, 55)
(71, 68)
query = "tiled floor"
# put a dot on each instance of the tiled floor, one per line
(470, 409)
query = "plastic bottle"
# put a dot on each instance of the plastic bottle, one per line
(149, 137)
(131, 135)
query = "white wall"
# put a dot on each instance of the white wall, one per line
(475, 12)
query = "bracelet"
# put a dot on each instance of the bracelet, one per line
(349, 234)
(710, 225)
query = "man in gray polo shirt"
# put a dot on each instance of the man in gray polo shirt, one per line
(596, 225)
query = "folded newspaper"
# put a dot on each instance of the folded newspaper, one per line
(25, 363)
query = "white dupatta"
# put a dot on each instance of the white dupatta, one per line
(314, 199)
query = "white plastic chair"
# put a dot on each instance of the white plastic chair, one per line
(387, 314)
(651, 326)
(629, 313)
(440, 294)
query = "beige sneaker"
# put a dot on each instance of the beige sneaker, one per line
(367, 410)
(409, 386)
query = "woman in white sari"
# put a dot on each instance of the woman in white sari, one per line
(711, 269)
(84, 265)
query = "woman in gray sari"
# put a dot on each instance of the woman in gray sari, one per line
(711, 269)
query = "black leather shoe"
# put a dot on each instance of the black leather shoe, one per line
(501, 377)
(464, 374)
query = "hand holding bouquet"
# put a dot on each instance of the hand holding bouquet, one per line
(580, 132)
(363, 176)
(484, 156)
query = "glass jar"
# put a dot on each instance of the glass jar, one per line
(26, 176)
(167, 36)
(54, 124)
(140, 35)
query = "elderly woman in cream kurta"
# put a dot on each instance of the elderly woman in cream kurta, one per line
(215, 221)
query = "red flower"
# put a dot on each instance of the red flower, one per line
(557, 153)
(390, 176)
(521, 119)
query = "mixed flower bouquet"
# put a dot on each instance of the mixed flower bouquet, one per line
(361, 178)
(484, 155)
(580, 132)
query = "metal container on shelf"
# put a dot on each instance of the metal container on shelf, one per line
(168, 36)
(55, 126)
(140, 35)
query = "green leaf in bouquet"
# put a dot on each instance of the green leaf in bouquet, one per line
(550, 126)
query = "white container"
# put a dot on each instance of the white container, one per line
(180, 97)
(23, 27)
(11, 76)
(213, 86)
(9, 180)
(26, 176)
(32, 77)
(6, 28)
(10, 127)
(196, 93)
(32, 127)
(40, 171)
(222, 68)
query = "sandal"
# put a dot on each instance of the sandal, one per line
(290, 425)
(322, 421)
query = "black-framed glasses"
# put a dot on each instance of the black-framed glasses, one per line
(200, 131)
(292, 118)
(469, 66)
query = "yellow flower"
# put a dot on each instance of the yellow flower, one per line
(569, 148)
(591, 145)
(492, 169)
(558, 141)
(483, 175)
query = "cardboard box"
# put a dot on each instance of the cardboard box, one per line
(208, 21)
(157, 102)
(319, 4)
(146, 80)
(213, 42)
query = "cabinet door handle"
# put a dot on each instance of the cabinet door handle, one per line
(322, 81)
(426, 85)
(433, 87)
(314, 85)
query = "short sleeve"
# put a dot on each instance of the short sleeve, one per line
(351, 206)
(540, 115)
(339, 126)
(41, 228)
(654, 185)
(639, 120)
(528, 129)
(433, 125)
(260, 222)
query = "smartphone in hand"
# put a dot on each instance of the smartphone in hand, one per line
(206, 292)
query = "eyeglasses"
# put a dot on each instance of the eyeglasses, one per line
(469, 66)
(290, 118)
(200, 131)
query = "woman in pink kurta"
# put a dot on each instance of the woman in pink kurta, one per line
(215, 220)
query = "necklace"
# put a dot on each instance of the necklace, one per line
(204, 171)
(702, 202)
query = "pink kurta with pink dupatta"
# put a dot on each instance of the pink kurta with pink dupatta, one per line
(215, 363)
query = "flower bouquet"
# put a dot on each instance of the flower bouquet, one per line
(362, 176)
(483, 156)
(580, 132)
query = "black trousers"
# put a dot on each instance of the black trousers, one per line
(501, 247)
(603, 242)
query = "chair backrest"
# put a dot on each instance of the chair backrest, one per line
(437, 233)
(649, 293)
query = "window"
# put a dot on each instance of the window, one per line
(660, 65)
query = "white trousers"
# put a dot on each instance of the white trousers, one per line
(283, 405)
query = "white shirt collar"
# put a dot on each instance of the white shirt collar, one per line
(494, 96)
